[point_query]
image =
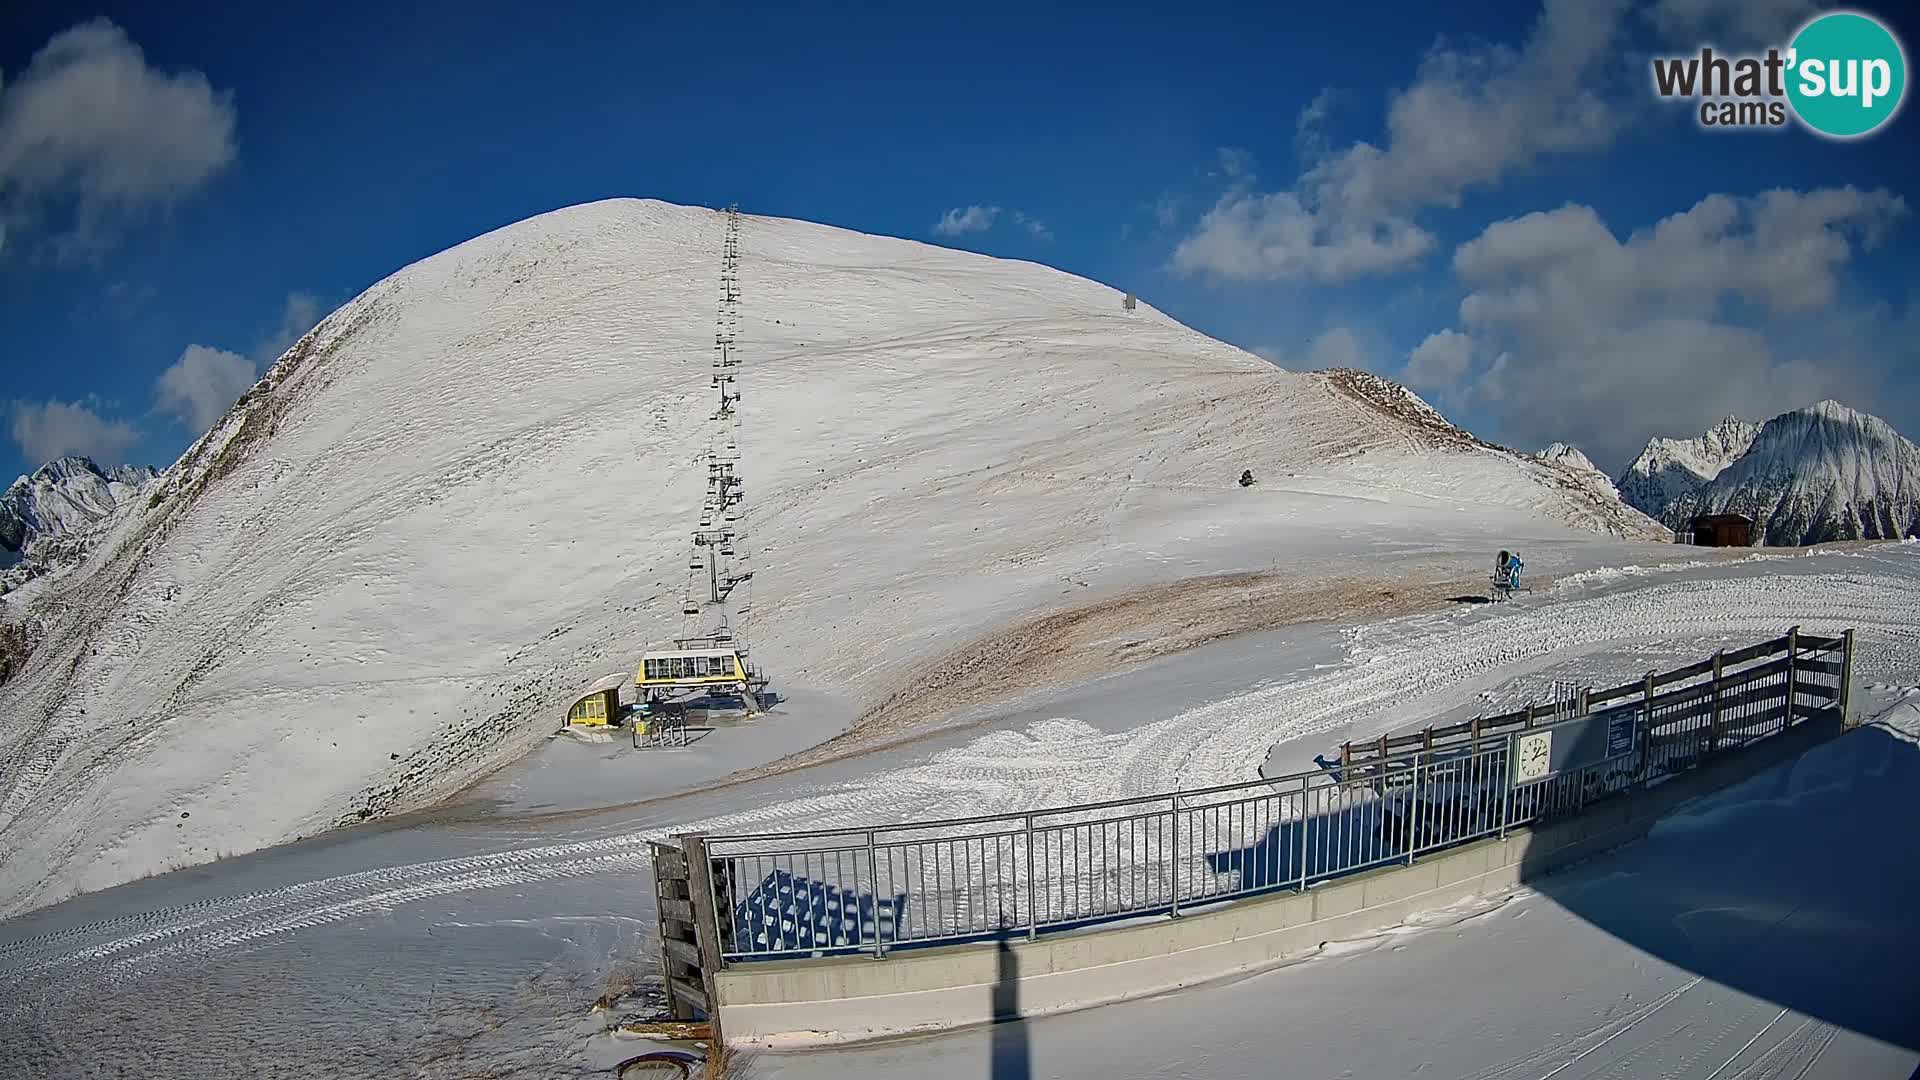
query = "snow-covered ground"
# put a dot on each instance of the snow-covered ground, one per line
(467, 493)
(1765, 931)
(470, 942)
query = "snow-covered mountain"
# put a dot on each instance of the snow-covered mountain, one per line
(64, 496)
(1825, 472)
(1669, 469)
(467, 493)
(1570, 456)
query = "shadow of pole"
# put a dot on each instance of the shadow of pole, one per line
(1010, 1058)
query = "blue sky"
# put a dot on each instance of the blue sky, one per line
(1351, 184)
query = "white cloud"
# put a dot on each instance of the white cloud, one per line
(1309, 135)
(1248, 236)
(1166, 210)
(1604, 340)
(1472, 115)
(91, 133)
(53, 429)
(1033, 225)
(1439, 362)
(301, 312)
(1729, 24)
(201, 385)
(1336, 346)
(962, 220)
(1236, 164)
(966, 219)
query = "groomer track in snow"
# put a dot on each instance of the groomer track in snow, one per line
(1394, 676)
(466, 494)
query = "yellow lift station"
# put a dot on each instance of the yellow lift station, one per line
(696, 666)
(600, 705)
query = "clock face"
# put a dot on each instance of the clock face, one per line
(1532, 756)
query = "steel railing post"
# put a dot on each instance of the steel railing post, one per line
(1306, 821)
(1174, 817)
(1793, 648)
(1646, 707)
(1413, 815)
(1033, 872)
(873, 882)
(1506, 788)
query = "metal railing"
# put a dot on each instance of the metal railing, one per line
(873, 890)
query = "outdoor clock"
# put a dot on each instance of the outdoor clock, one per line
(1532, 756)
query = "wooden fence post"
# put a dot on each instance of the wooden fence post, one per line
(1846, 677)
(706, 923)
(1715, 725)
(1793, 647)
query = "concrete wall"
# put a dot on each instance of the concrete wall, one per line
(839, 999)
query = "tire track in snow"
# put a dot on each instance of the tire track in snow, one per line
(1050, 763)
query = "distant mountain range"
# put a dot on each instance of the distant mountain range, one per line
(1825, 472)
(64, 496)
(1670, 469)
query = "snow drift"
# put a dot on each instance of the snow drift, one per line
(467, 492)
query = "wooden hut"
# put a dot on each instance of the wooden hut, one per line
(599, 706)
(1723, 530)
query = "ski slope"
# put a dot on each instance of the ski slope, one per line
(478, 944)
(466, 494)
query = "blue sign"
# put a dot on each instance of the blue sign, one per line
(1620, 732)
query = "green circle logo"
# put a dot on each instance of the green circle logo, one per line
(1846, 74)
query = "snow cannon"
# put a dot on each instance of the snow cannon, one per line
(1506, 576)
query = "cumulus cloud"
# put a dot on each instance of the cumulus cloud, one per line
(1602, 341)
(1166, 210)
(91, 134)
(300, 313)
(1729, 24)
(966, 219)
(1440, 361)
(962, 220)
(1033, 225)
(1336, 346)
(52, 429)
(200, 386)
(1248, 236)
(1236, 164)
(1472, 115)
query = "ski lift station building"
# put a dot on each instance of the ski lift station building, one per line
(599, 706)
(710, 666)
(1723, 530)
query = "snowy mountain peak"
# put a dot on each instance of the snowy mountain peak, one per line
(64, 496)
(468, 493)
(1670, 469)
(1823, 472)
(1570, 456)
